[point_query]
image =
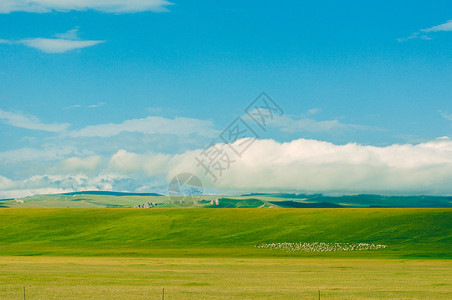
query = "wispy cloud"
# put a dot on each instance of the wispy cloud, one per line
(31, 122)
(442, 27)
(308, 124)
(43, 154)
(96, 105)
(314, 111)
(69, 35)
(57, 45)
(63, 43)
(109, 6)
(150, 125)
(423, 33)
(446, 115)
(416, 35)
(86, 106)
(78, 164)
(150, 164)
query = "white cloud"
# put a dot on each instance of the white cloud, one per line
(150, 125)
(446, 115)
(314, 111)
(77, 164)
(100, 104)
(6, 183)
(422, 34)
(96, 105)
(287, 124)
(63, 43)
(27, 187)
(52, 46)
(416, 35)
(298, 166)
(69, 35)
(21, 193)
(316, 166)
(442, 27)
(29, 122)
(109, 6)
(150, 164)
(52, 184)
(48, 153)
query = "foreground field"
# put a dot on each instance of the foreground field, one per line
(223, 278)
(70, 253)
(408, 233)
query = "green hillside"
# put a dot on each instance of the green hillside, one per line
(106, 199)
(222, 232)
(82, 200)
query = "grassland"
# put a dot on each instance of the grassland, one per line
(421, 233)
(223, 278)
(116, 253)
(81, 201)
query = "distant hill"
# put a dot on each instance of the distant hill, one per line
(109, 193)
(295, 204)
(366, 200)
(109, 199)
(256, 194)
(86, 199)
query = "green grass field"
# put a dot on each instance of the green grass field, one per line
(223, 278)
(83, 253)
(81, 201)
(422, 233)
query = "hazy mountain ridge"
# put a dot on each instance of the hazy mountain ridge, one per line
(113, 199)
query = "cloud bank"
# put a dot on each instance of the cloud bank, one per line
(317, 166)
(123, 157)
(302, 165)
(53, 184)
(108, 6)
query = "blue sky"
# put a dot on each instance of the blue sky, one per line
(84, 86)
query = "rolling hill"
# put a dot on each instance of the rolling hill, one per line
(108, 199)
(408, 233)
